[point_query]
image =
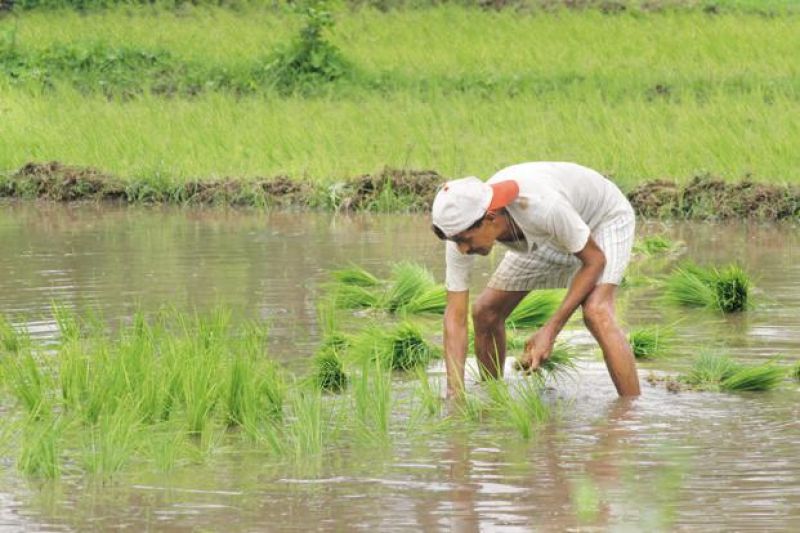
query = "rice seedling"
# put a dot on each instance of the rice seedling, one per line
(648, 342)
(708, 371)
(409, 281)
(560, 362)
(726, 290)
(355, 275)
(109, 444)
(329, 374)
(754, 378)
(400, 348)
(164, 447)
(432, 300)
(796, 371)
(305, 432)
(732, 288)
(12, 339)
(712, 372)
(427, 394)
(29, 381)
(535, 309)
(372, 401)
(68, 324)
(653, 245)
(41, 447)
(518, 405)
(346, 296)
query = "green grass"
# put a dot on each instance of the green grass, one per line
(726, 289)
(636, 96)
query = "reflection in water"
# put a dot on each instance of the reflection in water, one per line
(663, 462)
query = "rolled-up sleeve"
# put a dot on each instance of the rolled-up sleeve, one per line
(567, 228)
(458, 268)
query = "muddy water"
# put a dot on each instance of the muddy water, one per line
(689, 461)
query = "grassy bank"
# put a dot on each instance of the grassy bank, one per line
(149, 94)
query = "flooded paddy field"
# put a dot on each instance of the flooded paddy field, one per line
(667, 461)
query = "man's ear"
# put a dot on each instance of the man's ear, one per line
(490, 215)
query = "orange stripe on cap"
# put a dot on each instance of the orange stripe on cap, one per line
(503, 193)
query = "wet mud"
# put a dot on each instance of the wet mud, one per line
(390, 190)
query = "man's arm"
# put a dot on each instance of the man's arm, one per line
(455, 340)
(541, 343)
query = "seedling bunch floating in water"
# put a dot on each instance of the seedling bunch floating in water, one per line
(725, 289)
(715, 372)
(648, 342)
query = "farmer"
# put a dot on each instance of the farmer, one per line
(564, 226)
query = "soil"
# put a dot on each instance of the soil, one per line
(704, 197)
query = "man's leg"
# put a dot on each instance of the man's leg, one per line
(600, 318)
(489, 313)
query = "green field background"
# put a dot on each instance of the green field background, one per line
(638, 95)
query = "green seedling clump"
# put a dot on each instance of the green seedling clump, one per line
(11, 339)
(355, 275)
(347, 296)
(647, 342)
(329, 374)
(432, 300)
(726, 290)
(535, 309)
(401, 347)
(653, 245)
(712, 372)
(796, 372)
(409, 281)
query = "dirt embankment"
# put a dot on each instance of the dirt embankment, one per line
(389, 190)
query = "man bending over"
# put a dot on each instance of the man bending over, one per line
(564, 226)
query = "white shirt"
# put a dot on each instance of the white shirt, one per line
(559, 204)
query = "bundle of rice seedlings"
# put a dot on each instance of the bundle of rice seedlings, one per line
(535, 309)
(654, 244)
(561, 361)
(647, 342)
(432, 300)
(346, 296)
(329, 374)
(726, 290)
(409, 281)
(731, 287)
(712, 372)
(708, 371)
(355, 275)
(400, 348)
(754, 378)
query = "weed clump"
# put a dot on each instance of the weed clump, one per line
(310, 60)
(725, 290)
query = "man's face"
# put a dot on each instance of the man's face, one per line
(477, 240)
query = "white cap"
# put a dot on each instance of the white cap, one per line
(460, 203)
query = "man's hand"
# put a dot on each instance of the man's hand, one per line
(538, 348)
